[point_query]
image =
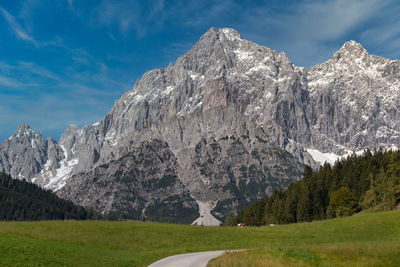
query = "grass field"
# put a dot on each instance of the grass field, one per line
(365, 240)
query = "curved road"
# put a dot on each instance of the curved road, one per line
(198, 259)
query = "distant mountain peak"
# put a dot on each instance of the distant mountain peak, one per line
(351, 49)
(221, 34)
(24, 126)
(230, 33)
(23, 130)
(352, 44)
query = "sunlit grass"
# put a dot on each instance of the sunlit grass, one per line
(365, 240)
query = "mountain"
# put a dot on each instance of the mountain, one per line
(24, 201)
(239, 118)
(26, 154)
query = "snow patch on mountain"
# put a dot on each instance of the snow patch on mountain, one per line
(230, 34)
(321, 157)
(168, 90)
(331, 158)
(59, 180)
(243, 55)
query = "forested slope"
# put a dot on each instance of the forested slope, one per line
(21, 200)
(367, 182)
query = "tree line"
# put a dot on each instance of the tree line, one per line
(359, 182)
(24, 201)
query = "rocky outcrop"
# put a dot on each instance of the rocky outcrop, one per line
(143, 184)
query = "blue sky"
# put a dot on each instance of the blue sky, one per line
(67, 61)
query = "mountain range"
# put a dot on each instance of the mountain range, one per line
(228, 123)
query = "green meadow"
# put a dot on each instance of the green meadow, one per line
(361, 240)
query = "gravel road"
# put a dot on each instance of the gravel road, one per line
(198, 259)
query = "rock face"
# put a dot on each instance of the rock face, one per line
(218, 108)
(355, 100)
(235, 171)
(143, 184)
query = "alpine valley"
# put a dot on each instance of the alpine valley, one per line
(228, 123)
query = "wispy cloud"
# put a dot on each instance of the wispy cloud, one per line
(50, 113)
(209, 12)
(22, 33)
(383, 34)
(327, 20)
(139, 17)
(310, 31)
(115, 41)
(23, 74)
(14, 83)
(19, 32)
(157, 7)
(38, 70)
(126, 15)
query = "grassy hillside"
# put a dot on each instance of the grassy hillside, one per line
(369, 239)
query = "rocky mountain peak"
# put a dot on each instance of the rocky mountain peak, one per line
(351, 60)
(352, 46)
(23, 153)
(350, 51)
(24, 126)
(70, 131)
(213, 48)
(221, 34)
(230, 34)
(24, 134)
(23, 130)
